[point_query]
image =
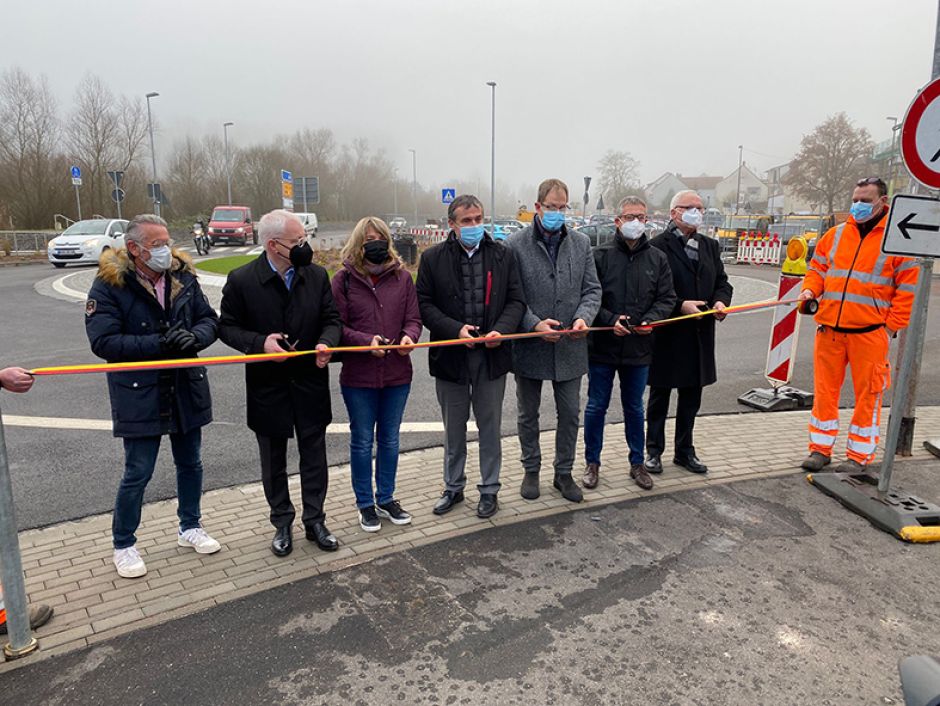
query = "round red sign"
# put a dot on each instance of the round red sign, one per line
(920, 136)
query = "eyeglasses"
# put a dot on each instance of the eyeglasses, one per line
(552, 209)
(628, 217)
(290, 243)
(685, 208)
(154, 246)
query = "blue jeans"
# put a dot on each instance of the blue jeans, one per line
(374, 420)
(140, 457)
(600, 385)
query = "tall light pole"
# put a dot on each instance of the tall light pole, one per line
(892, 160)
(414, 182)
(153, 154)
(228, 160)
(737, 200)
(492, 85)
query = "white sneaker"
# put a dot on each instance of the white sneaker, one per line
(198, 540)
(128, 563)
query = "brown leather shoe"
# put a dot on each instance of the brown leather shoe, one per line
(641, 477)
(589, 480)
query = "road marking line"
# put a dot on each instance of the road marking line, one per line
(15, 420)
(61, 287)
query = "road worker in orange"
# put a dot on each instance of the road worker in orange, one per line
(865, 298)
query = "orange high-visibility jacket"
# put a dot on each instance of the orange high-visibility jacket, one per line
(856, 284)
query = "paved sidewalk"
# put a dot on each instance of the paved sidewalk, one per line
(69, 565)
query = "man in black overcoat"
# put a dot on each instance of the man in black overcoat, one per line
(684, 352)
(281, 301)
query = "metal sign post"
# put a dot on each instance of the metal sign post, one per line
(117, 195)
(21, 642)
(76, 175)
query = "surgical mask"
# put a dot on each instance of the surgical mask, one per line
(300, 255)
(692, 217)
(552, 220)
(861, 211)
(160, 258)
(471, 236)
(632, 230)
(376, 251)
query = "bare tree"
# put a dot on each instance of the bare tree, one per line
(619, 176)
(831, 159)
(33, 176)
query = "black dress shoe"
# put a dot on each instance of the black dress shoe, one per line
(449, 498)
(317, 532)
(653, 464)
(691, 464)
(487, 506)
(282, 544)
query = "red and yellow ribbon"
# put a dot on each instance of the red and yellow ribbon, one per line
(133, 366)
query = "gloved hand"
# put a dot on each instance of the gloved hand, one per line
(179, 340)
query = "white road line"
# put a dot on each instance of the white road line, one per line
(13, 420)
(61, 287)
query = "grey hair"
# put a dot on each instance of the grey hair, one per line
(680, 194)
(463, 201)
(631, 201)
(272, 224)
(135, 228)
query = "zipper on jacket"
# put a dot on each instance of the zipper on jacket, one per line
(847, 278)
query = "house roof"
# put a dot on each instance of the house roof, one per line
(701, 182)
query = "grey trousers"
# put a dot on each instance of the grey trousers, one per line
(486, 398)
(568, 406)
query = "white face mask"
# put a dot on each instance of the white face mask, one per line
(160, 259)
(632, 230)
(692, 217)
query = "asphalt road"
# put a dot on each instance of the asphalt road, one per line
(61, 474)
(723, 595)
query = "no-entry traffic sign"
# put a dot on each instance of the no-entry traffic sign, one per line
(913, 227)
(920, 136)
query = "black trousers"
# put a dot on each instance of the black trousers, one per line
(311, 444)
(687, 406)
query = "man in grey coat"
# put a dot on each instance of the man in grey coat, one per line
(561, 292)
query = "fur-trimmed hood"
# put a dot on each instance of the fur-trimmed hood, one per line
(114, 265)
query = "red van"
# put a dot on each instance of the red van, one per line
(232, 224)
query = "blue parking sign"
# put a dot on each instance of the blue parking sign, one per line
(448, 195)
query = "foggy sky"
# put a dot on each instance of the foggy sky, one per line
(678, 83)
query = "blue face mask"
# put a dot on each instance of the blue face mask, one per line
(552, 220)
(861, 211)
(471, 236)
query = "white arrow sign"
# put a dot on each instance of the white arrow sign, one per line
(913, 227)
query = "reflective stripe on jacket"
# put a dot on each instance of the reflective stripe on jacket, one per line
(857, 285)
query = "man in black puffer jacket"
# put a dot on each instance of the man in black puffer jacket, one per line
(146, 304)
(637, 289)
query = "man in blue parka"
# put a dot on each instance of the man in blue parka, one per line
(146, 304)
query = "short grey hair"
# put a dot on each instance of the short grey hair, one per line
(631, 201)
(680, 194)
(463, 201)
(135, 228)
(272, 224)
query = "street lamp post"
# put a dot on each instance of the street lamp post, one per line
(153, 154)
(892, 159)
(492, 85)
(414, 183)
(228, 160)
(737, 199)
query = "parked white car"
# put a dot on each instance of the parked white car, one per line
(310, 222)
(82, 243)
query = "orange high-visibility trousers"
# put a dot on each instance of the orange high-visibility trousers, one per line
(867, 355)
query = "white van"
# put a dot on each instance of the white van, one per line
(310, 222)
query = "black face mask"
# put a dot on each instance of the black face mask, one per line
(300, 255)
(376, 251)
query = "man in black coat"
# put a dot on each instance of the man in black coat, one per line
(637, 288)
(684, 352)
(469, 287)
(278, 302)
(146, 304)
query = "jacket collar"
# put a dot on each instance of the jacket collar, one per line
(676, 245)
(266, 273)
(642, 244)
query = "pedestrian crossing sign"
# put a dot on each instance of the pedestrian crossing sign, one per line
(448, 195)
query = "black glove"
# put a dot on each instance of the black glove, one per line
(179, 340)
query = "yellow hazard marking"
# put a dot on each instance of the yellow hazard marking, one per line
(919, 534)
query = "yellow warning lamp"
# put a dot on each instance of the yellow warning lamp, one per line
(797, 250)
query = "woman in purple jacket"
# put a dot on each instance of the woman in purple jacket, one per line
(377, 302)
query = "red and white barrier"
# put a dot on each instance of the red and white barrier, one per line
(429, 236)
(759, 249)
(784, 334)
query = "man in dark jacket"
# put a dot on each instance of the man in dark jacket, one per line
(278, 302)
(468, 287)
(561, 291)
(146, 304)
(637, 288)
(684, 352)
